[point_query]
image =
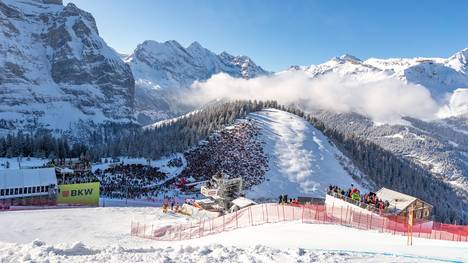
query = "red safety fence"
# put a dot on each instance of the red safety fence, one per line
(320, 214)
(17, 204)
(34, 204)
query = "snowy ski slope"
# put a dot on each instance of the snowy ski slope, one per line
(301, 159)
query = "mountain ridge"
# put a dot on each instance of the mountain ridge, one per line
(441, 76)
(57, 71)
(163, 71)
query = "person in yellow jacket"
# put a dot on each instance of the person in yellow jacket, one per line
(356, 197)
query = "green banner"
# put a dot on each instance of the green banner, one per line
(79, 194)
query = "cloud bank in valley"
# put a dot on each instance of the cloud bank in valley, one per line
(457, 104)
(384, 100)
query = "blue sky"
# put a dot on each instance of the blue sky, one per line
(277, 33)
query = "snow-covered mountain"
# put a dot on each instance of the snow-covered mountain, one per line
(169, 65)
(440, 76)
(56, 71)
(163, 70)
(439, 146)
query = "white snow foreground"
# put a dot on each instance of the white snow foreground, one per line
(102, 235)
(78, 252)
(301, 158)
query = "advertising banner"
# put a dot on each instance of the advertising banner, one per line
(79, 194)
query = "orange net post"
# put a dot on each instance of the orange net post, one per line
(409, 241)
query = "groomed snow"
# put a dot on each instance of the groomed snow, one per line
(102, 235)
(21, 162)
(98, 227)
(301, 159)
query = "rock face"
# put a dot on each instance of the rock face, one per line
(163, 70)
(56, 71)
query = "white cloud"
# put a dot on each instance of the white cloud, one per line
(382, 100)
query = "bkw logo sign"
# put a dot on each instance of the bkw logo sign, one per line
(79, 194)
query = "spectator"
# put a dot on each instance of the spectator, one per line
(368, 200)
(131, 181)
(235, 151)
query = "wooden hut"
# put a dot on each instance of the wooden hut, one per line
(400, 204)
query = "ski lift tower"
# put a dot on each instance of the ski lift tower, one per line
(223, 190)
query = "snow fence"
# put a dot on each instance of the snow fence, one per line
(319, 214)
(26, 203)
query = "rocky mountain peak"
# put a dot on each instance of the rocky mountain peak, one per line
(71, 10)
(349, 58)
(163, 69)
(459, 61)
(45, 2)
(186, 65)
(226, 55)
(51, 2)
(195, 46)
(295, 68)
(462, 55)
(152, 51)
(53, 60)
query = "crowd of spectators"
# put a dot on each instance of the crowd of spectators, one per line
(176, 162)
(130, 181)
(283, 199)
(353, 195)
(87, 177)
(235, 151)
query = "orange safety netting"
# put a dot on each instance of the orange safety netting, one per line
(320, 214)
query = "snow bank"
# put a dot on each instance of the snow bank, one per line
(78, 252)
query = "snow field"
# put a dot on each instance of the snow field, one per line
(24, 162)
(102, 234)
(301, 159)
(39, 252)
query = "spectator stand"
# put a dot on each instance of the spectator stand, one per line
(131, 181)
(235, 150)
